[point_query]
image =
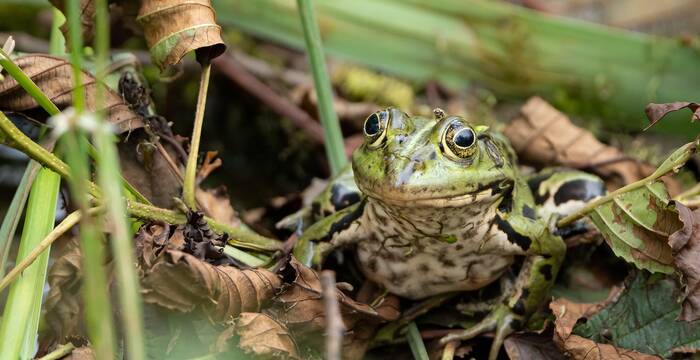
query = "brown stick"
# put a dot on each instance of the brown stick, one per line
(334, 322)
(277, 103)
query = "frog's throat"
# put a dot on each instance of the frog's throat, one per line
(410, 200)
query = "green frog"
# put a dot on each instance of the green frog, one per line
(437, 205)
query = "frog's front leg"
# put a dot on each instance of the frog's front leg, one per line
(340, 228)
(544, 255)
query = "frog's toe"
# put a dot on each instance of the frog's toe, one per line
(500, 321)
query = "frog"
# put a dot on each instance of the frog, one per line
(435, 205)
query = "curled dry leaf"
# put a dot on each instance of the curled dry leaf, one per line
(300, 306)
(567, 313)
(656, 112)
(179, 281)
(174, 28)
(542, 135)
(686, 251)
(264, 337)
(54, 77)
(217, 205)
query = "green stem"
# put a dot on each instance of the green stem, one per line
(20, 320)
(335, 149)
(415, 342)
(60, 352)
(190, 182)
(673, 162)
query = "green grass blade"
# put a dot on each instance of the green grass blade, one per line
(335, 149)
(415, 342)
(20, 319)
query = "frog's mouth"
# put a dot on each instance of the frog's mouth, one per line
(407, 197)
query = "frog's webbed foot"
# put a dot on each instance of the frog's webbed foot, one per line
(500, 320)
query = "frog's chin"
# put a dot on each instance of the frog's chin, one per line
(405, 199)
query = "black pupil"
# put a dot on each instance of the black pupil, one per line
(464, 138)
(372, 125)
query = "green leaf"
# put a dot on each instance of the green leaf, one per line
(636, 225)
(644, 318)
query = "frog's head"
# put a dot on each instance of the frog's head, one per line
(443, 161)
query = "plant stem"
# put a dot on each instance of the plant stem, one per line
(240, 236)
(60, 352)
(190, 183)
(20, 319)
(674, 161)
(335, 151)
(415, 342)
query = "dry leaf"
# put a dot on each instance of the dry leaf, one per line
(217, 205)
(87, 17)
(685, 244)
(532, 346)
(180, 281)
(567, 313)
(81, 353)
(300, 306)
(264, 337)
(542, 135)
(656, 112)
(174, 28)
(63, 303)
(54, 77)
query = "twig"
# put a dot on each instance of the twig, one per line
(191, 169)
(60, 352)
(334, 321)
(277, 103)
(65, 225)
(448, 353)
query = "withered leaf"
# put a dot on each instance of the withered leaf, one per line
(542, 135)
(54, 77)
(180, 281)
(656, 112)
(686, 255)
(265, 337)
(567, 313)
(174, 28)
(637, 224)
(300, 306)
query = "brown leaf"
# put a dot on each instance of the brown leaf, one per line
(180, 281)
(265, 337)
(217, 205)
(63, 303)
(54, 77)
(174, 28)
(300, 306)
(542, 135)
(87, 17)
(656, 112)
(685, 244)
(567, 313)
(532, 346)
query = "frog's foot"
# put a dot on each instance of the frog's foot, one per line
(500, 320)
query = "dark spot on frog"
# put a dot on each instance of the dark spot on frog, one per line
(316, 209)
(459, 247)
(513, 236)
(546, 271)
(344, 221)
(516, 325)
(506, 204)
(580, 189)
(448, 263)
(372, 264)
(519, 307)
(423, 267)
(342, 197)
(534, 184)
(528, 212)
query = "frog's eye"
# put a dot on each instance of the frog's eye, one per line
(375, 128)
(458, 141)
